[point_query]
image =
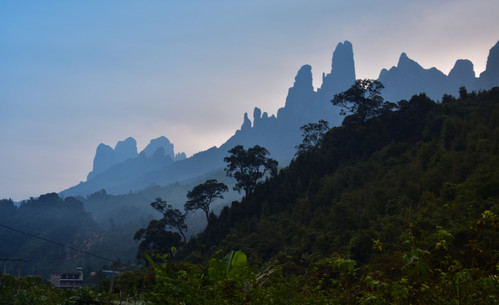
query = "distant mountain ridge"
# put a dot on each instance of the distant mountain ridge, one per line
(409, 78)
(159, 149)
(278, 134)
(122, 170)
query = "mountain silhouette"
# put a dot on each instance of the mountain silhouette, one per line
(279, 134)
(409, 78)
(490, 77)
(122, 170)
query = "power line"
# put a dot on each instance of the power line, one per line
(65, 246)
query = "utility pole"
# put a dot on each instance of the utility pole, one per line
(112, 279)
(13, 259)
(4, 259)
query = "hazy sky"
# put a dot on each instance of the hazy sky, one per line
(74, 74)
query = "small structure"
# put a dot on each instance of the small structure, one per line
(109, 273)
(67, 279)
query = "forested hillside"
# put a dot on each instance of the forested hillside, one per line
(399, 208)
(100, 223)
(52, 218)
(403, 172)
(409, 198)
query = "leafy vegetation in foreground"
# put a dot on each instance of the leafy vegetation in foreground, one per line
(34, 291)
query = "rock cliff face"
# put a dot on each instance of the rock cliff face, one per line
(105, 156)
(462, 72)
(300, 96)
(342, 74)
(461, 75)
(281, 134)
(490, 77)
(104, 159)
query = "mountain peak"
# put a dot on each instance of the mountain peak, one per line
(490, 77)
(407, 64)
(462, 72)
(493, 58)
(246, 122)
(105, 156)
(298, 95)
(342, 74)
(125, 149)
(303, 79)
(342, 62)
(155, 144)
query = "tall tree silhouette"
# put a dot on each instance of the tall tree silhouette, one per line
(155, 237)
(248, 167)
(363, 100)
(202, 195)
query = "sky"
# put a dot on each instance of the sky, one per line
(74, 74)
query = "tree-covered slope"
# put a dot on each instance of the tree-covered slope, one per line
(371, 190)
(49, 218)
(399, 209)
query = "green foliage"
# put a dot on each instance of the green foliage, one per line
(132, 285)
(28, 290)
(155, 239)
(312, 136)
(202, 195)
(248, 167)
(363, 100)
(172, 217)
(51, 217)
(35, 291)
(222, 281)
(401, 209)
(411, 196)
(229, 280)
(84, 296)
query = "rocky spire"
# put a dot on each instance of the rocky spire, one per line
(246, 122)
(161, 142)
(462, 74)
(300, 94)
(126, 149)
(343, 64)
(104, 158)
(407, 64)
(257, 116)
(342, 74)
(490, 77)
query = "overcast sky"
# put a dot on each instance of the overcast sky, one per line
(74, 74)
